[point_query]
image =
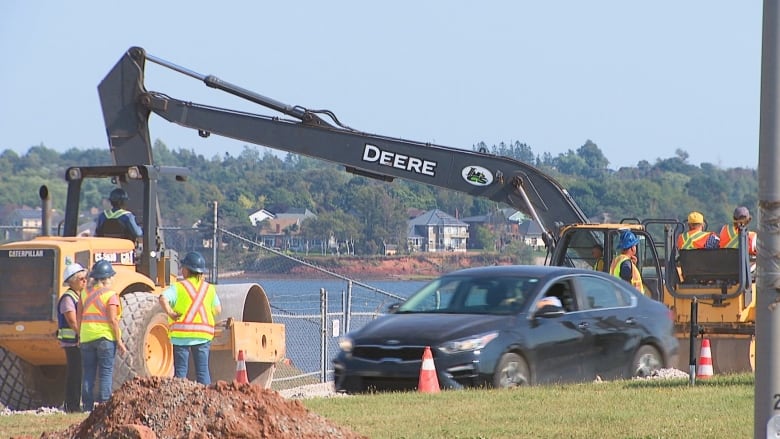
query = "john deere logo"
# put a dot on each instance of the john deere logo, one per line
(477, 175)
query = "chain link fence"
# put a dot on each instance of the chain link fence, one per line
(316, 310)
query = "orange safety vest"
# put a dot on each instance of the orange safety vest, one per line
(636, 276)
(196, 311)
(95, 322)
(729, 238)
(692, 240)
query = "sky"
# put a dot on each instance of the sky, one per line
(639, 79)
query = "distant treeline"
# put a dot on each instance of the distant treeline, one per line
(372, 213)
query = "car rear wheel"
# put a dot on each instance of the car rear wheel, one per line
(646, 361)
(512, 371)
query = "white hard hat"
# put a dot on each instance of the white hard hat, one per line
(70, 270)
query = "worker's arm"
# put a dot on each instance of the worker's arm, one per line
(113, 316)
(129, 219)
(165, 303)
(72, 320)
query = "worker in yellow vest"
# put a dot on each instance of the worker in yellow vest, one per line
(99, 335)
(75, 278)
(598, 257)
(192, 306)
(624, 264)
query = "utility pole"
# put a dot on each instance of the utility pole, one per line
(767, 375)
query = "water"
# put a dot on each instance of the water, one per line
(297, 303)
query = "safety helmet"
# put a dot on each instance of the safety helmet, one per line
(695, 218)
(70, 270)
(741, 212)
(194, 262)
(118, 195)
(102, 270)
(627, 240)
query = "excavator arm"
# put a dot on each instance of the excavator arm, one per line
(127, 106)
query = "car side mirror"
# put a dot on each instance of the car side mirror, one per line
(393, 308)
(549, 311)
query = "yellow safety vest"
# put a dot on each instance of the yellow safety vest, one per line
(95, 322)
(115, 214)
(196, 311)
(636, 277)
(64, 331)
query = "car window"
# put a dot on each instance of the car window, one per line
(499, 295)
(601, 293)
(437, 296)
(563, 291)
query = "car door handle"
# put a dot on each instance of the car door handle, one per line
(631, 321)
(583, 325)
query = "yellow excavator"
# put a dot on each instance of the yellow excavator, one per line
(710, 292)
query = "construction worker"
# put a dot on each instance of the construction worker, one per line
(192, 306)
(99, 334)
(729, 233)
(598, 257)
(624, 264)
(695, 237)
(117, 222)
(75, 278)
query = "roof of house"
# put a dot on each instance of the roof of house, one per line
(436, 217)
(529, 228)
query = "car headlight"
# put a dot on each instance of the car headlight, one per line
(471, 343)
(345, 343)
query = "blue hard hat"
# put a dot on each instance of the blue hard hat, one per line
(195, 262)
(102, 270)
(627, 240)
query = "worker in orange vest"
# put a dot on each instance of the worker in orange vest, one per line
(729, 233)
(696, 237)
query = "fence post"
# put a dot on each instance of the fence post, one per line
(324, 334)
(348, 308)
(215, 247)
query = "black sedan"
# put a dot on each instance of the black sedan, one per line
(506, 326)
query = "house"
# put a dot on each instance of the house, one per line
(437, 231)
(531, 233)
(280, 230)
(259, 216)
(25, 223)
(503, 222)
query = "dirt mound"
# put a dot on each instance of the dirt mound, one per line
(158, 407)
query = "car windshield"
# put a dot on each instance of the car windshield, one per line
(470, 295)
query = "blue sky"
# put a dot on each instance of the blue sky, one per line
(640, 79)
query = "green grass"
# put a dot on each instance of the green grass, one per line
(717, 408)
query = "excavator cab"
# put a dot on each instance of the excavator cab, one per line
(144, 179)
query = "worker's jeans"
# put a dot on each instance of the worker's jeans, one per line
(97, 359)
(200, 358)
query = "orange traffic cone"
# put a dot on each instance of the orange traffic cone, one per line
(429, 382)
(241, 376)
(705, 360)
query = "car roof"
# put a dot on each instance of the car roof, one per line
(540, 271)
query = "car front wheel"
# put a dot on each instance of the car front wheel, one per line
(647, 360)
(512, 371)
